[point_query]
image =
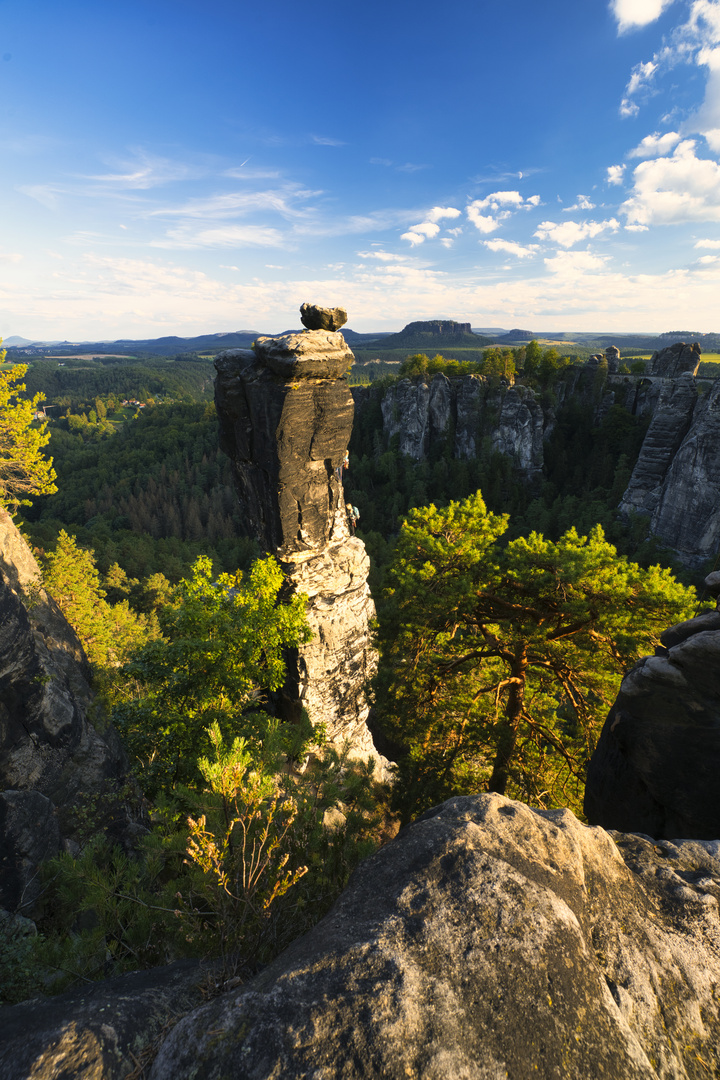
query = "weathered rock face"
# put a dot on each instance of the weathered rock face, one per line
(676, 480)
(421, 414)
(319, 318)
(676, 359)
(286, 415)
(101, 1032)
(50, 754)
(670, 423)
(487, 940)
(520, 429)
(656, 767)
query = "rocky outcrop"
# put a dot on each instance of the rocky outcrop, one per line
(674, 360)
(420, 414)
(656, 766)
(286, 414)
(51, 756)
(487, 940)
(676, 480)
(520, 430)
(669, 425)
(103, 1032)
(318, 318)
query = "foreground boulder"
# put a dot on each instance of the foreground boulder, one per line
(656, 768)
(488, 940)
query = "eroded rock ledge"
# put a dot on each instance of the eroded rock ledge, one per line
(286, 415)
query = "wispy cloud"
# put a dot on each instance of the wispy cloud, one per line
(583, 203)
(510, 248)
(323, 140)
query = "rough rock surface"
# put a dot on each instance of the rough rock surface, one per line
(420, 414)
(519, 432)
(669, 425)
(656, 767)
(687, 515)
(47, 745)
(99, 1033)
(319, 318)
(676, 359)
(488, 940)
(286, 415)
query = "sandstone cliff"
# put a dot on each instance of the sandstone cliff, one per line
(676, 480)
(51, 756)
(488, 940)
(286, 414)
(421, 413)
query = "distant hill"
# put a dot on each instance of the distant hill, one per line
(515, 335)
(435, 334)
(164, 346)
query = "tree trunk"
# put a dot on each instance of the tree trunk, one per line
(508, 731)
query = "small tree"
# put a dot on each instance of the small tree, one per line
(225, 642)
(499, 664)
(24, 470)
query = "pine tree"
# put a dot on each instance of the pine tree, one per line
(24, 470)
(499, 663)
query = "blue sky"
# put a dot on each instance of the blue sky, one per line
(177, 167)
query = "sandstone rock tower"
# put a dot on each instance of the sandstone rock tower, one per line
(286, 415)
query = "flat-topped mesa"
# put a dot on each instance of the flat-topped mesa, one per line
(286, 415)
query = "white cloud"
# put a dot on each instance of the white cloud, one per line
(567, 233)
(382, 256)
(583, 203)
(631, 14)
(707, 243)
(636, 228)
(655, 145)
(674, 189)
(615, 174)
(321, 140)
(706, 260)
(575, 262)
(447, 241)
(484, 223)
(10, 256)
(439, 212)
(498, 203)
(511, 248)
(417, 234)
(499, 198)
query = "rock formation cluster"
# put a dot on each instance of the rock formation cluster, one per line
(421, 413)
(656, 766)
(488, 940)
(51, 756)
(286, 414)
(676, 479)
